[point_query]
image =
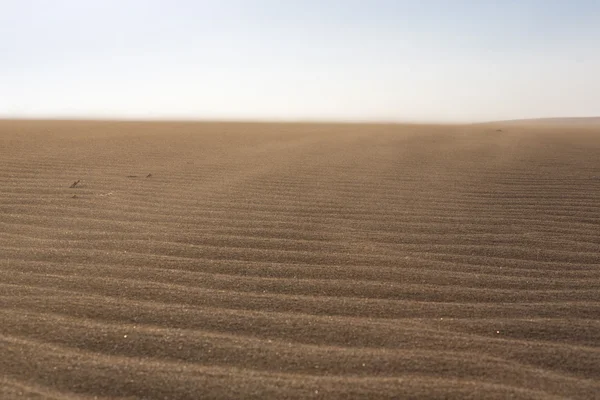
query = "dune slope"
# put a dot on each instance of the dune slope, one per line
(222, 260)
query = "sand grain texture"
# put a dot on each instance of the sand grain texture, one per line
(222, 260)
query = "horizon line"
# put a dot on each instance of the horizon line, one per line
(332, 121)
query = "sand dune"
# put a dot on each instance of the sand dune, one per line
(298, 261)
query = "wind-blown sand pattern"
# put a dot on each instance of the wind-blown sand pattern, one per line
(298, 261)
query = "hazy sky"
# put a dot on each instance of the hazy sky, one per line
(440, 60)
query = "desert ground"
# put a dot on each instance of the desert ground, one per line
(298, 261)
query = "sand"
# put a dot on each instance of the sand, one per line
(296, 261)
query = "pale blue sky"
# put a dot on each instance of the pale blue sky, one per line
(429, 60)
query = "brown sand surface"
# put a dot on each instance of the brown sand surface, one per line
(299, 261)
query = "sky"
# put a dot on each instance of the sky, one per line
(338, 60)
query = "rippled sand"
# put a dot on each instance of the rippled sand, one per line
(299, 261)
